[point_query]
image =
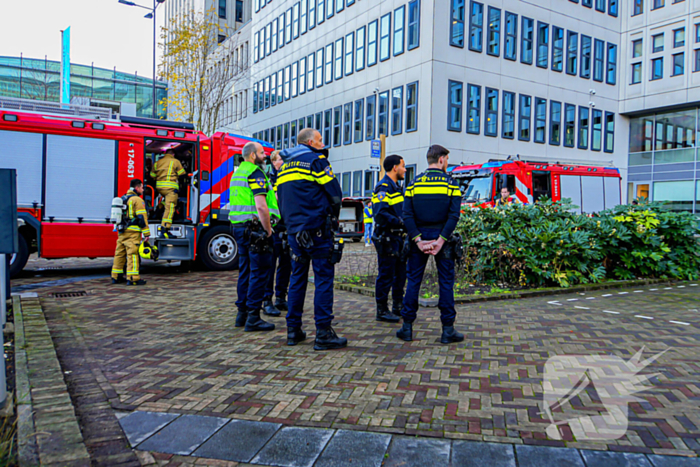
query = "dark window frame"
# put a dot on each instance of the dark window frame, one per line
(511, 38)
(396, 112)
(540, 123)
(454, 105)
(571, 53)
(553, 122)
(558, 66)
(473, 128)
(527, 53)
(609, 133)
(347, 123)
(413, 24)
(491, 113)
(359, 112)
(383, 116)
(456, 21)
(584, 123)
(506, 112)
(524, 116)
(401, 32)
(383, 38)
(542, 59)
(569, 124)
(493, 28)
(370, 117)
(473, 28)
(338, 126)
(611, 64)
(412, 108)
(586, 57)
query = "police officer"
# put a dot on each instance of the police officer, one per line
(280, 257)
(389, 239)
(253, 207)
(310, 197)
(129, 239)
(167, 172)
(431, 212)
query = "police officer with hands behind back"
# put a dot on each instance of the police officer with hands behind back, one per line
(389, 239)
(253, 209)
(311, 198)
(431, 212)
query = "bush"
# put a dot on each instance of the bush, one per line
(546, 244)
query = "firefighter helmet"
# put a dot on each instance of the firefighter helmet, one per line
(148, 251)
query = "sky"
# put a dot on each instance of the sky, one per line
(104, 32)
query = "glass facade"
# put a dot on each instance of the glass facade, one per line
(39, 79)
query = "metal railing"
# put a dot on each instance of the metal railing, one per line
(44, 107)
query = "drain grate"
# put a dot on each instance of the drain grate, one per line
(71, 294)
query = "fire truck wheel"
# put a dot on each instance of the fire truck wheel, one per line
(218, 250)
(19, 259)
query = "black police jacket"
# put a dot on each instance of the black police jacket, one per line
(433, 201)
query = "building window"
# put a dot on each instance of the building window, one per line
(383, 113)
(612, 64)
(457, 24)
(473, 109)
(346, 178)
(321, 11)
(275, 26)
(508, 115)
(555, 123)
(372, 43)
(542, 44)
(281, 30)
(273, 89)
(319, 68)
(302, 75)
(293, 134)
(637, 48)
(454, 115)
(494, 32)
(638, 8)
(304, 17)
(312, 14)
(349, 53)
(295, 79)
(540, 120)
(586, 3)
(510, 50)
(697, 60)
(371, 111)
(263, 34)
(658, 43)
(526, 41)
(337, 126)
(385, 37)
(286, 136)
(399, 25)
(597, 130)
(612, 8)
(360, 50)
(413, 24)
(280, 85)
(636, 73)
(609, 131)
(491, 112)
(287, 82)
(338, 59)
(222, 9)
(585, 57)
(369, 182)
(697, 33)
(310, 71)
(525, 118)
(657, 68)
(569, 125)
(583, 114)
(598, 60)
(571, 52)
(255, 98)
(347, 124)
(476, 26)
(359, 113)
(256, 47)
(328, 71)
(411, 107)
(678, 64)
(397, 111)
(339, 5)
(257, 5)
(678, 37)
(600, 5)
(557, 48)
(657, 4)
(267, 92)
(330, 11)
(288, 26)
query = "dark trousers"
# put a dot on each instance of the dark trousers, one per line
(283, 262)
(253, 271)
(318, 256)
(391, 275)
(446, 280)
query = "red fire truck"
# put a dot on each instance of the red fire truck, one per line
(590, 188)
(70, 168)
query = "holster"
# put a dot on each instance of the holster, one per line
(389, 242)
(454, 248)
(260, 242)
(337, 250)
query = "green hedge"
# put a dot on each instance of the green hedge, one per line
(545, 244)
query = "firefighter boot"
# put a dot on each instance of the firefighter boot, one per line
(281, 304)
(406, 332)
(241, 318)
(163, 232)
(119, 280)
(138, 282)
(327, 339)
(269, 309)
(295, 335)
(254, 323)
(450, 335)
(396, 308)
(383, 313)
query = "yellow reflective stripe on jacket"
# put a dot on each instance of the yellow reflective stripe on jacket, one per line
(298, 173)
(167, 185)
(439, 188)
(134, 228)
(181, 172)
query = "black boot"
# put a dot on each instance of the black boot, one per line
(241, 318)
(383, 313)
(269, 309)
(138, 282)
(406, 332)
(295, 335)
(119, 280)
(163, 232)
(281, 304)
(396, 308)
(449, 335)
(254, 323)
(327, 339)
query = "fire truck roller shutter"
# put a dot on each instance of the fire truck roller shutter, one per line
(593, 194)
(612, 192)
(24, 152)
(571, 188)
(79, 178)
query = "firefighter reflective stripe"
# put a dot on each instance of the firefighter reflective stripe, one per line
(167, 185)
(134, 271)
(117, 271)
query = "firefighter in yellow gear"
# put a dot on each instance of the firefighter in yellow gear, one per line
(166, 172)
(129, 240)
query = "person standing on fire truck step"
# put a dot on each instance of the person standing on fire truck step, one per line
(389, 236)
(310, 198)
(431, 212)
(128, 241)
(167, 171)
(280, 259)
(253, 209)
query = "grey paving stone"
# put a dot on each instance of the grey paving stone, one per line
(184, 435)
(354, 448)
(238, 441)
(673, 461)
(543, 456)
(294, 447)
(471, 453)
(139, 426)
(405, 451)
(614, 459)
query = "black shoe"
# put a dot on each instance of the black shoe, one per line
(406, 332)
(138, 282)
(254, 323)
(383, 313)
(281, 304)
(396, 308)
(327, 339)
(449, 335)
(269, 309)
(295, 335)
(241, 318)
(163, 232)
(118, 280)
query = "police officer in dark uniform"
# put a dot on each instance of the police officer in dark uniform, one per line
(431, 212)
(310, 200)
(389, 235)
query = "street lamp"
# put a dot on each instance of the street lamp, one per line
(150, 15)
